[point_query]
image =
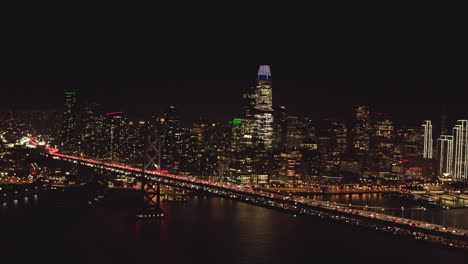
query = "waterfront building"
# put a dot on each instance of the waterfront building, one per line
(428, 144)
(445, 155)
(460, 158)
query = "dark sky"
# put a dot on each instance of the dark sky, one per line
(404, 59)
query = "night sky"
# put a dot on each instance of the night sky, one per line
(325, 59)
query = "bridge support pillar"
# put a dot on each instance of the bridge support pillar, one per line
(151, 208)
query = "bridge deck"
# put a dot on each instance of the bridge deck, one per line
(341, 208)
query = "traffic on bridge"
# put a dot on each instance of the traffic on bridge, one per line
(292, 203)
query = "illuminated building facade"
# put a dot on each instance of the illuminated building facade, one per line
(384, 150)
(288, 167)
(70, 139)
(93, 131)
(445, 155)
(362, 130)
(460, 158)
(412, 142)
(263, 113)
(294, 137)
(428, 144)
(115, 127)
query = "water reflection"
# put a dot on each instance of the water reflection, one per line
(393, 206)
(202, 230)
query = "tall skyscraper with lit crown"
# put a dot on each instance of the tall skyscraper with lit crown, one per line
(263, 108)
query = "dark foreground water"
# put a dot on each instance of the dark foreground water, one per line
(203, 230)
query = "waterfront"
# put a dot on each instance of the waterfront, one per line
(412, 210)
(213, 230)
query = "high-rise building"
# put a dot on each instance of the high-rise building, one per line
(70, 137)
(460, 161)
(445, 155)
(340, 132)
(242, 134)
(288, 167)
(170, 158)
(428, 144)
(384, 150)
(115, 126)
(92, 130)
(362, 129)
(280, 127)
(263, 109)
(263, 89)
(412, 142)
(293, 133)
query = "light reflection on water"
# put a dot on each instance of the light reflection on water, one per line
(227, 231)
(393, 204)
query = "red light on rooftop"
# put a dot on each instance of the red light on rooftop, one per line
(406, 160)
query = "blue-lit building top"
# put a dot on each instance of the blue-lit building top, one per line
(264, 73)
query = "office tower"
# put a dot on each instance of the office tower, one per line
(384, 151)
(288, 167)
(340, 132)
(293, 135)
(384, 127)
(412, 142)
(115, 127)
(362, 129)
(445, 155)
(263, 109)
(427, 152)
(69, 140)
(280, 127)
(241, 134)
(170, 158)
(92, 130)
(460, 161)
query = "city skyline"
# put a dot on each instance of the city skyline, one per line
(194, 133)
(227, 104)
(245, 147)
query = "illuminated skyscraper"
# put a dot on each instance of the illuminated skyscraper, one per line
(92, 128)
(69, 133)
(115, 124)
(263, 90)
(263, 114)
(427, 152)
(362, 129)
(460, 162)
(445, 155)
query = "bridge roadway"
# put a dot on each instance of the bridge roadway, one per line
(290, 203)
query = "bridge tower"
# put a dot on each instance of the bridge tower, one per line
(153, 134)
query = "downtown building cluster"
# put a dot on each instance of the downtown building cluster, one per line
(15, 127)
(452, 153)
(264, 145)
